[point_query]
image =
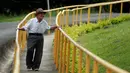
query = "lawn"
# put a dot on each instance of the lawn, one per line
(11, 18)
(111, 43)
(4, 18)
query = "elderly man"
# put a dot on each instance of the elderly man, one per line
(36, 28)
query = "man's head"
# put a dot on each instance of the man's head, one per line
(40, 14)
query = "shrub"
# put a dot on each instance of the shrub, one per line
(120, 19)
(104, 23)
(76, 30)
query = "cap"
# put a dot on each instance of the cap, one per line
(40, 10)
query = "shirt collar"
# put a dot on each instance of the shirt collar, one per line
(36, 20)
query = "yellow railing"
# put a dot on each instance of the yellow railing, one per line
(21, 35)
(20, 42)
(64, 44)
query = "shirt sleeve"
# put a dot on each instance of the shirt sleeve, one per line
(47, 26)
(27, 25)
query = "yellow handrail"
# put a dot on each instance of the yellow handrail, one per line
(21, 35)
(21, 39)
(18, 47)
(60, 52)
(66, 7)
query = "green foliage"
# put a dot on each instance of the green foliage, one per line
(104, 23)
(11, 18)
(120, 19)
(111, 44)
(75, 31)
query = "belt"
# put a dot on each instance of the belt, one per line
(37, 34)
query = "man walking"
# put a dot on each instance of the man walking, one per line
(36, 28)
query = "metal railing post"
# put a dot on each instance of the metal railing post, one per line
(87, 64)
(73, 18)
(57, 51)
(95, 67)
(50, 16)
(80, 61)
(55, 46)
(89, 11)
(67, 17)
(81, 16)
(61, 46)
(64, 54)
(108, 71)
(121, 10)
(100, 11)
(110, 15)
(73, 59)
(77, 16)
(68, 56)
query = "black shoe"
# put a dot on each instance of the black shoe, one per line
(35, 69)
(29, 68)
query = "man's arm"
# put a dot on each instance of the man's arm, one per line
(26, 27)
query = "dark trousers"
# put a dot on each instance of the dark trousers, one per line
(34, 50)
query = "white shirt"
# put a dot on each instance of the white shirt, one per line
(33, 26)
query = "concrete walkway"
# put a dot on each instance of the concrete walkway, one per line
(47, 65)
(7, 31)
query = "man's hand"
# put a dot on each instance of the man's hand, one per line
(20, 29)
(59, 27)
(53, 27)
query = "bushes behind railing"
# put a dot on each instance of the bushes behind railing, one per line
(75, 31)
(83, 28)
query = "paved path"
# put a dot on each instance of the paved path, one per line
(7, 32)
(7, 29)
(47, 65)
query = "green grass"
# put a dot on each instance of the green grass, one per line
(11, 18)
(112, 44)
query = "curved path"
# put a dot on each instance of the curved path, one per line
(7, 32)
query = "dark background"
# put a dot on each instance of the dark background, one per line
(8, 7)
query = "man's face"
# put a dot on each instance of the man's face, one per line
(40, 16)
